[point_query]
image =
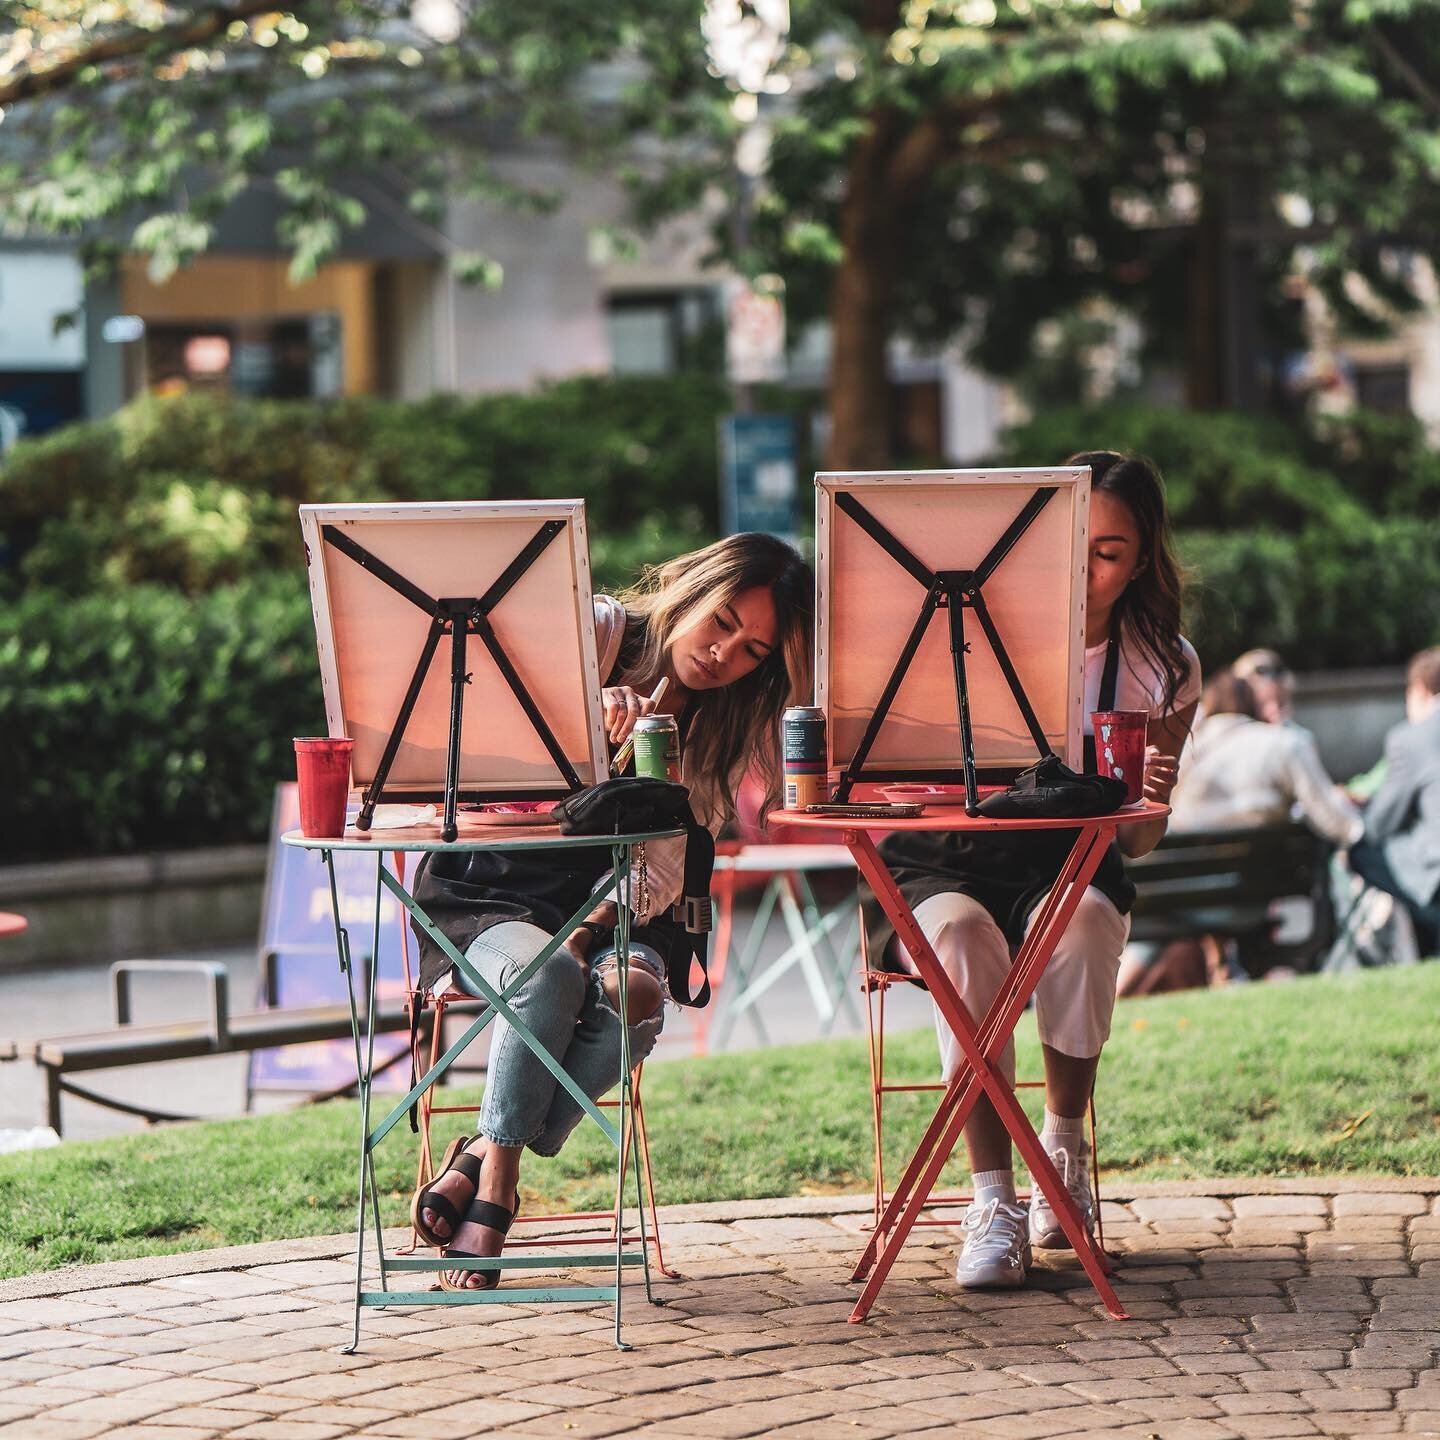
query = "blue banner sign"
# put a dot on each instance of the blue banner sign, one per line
(757, 474)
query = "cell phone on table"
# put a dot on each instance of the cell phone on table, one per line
(864, 810)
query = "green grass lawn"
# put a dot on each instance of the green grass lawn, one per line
(1319, 1076)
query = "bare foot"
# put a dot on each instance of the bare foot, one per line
(454, 1187)
(473, 1238)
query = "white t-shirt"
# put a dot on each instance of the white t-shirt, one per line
(1140, 684)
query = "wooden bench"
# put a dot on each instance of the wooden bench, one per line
(222, 1034)
(1226, 882)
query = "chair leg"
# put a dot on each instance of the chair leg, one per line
(875, 1048)
(425, 1167)
(642, 1138)
(1095, 1176)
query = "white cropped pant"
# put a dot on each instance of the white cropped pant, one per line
(1075, 999)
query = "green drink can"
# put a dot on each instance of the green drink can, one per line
(657, 747)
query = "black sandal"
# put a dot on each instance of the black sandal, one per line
(458, 1158)
(493, 1217)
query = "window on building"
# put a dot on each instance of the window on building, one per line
(1385, 388)
(289, 359)
(660, 332)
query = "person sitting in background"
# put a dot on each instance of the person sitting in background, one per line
(1243, 772)
(1271, 682)
(1400, 851)
(1240, 772)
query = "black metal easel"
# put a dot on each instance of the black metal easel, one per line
(460, 617)
(954, 591)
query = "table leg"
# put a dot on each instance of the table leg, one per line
(964, 1088)
(363, 1189)
(733, 992)
(498, 1003)
(982, 1072)
(371, 1002)
(620, 863)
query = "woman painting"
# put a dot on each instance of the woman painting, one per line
(975, 896)
(729, 628)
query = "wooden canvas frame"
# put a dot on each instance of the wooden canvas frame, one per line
(867, 603)
(369, 639)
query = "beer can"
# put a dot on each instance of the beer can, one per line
(657, 747)
(802, 751)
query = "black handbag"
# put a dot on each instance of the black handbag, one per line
(633, 804)
(624, 807)
(1051, 789)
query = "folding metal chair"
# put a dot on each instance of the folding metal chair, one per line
(820, 944)
(874, 983)
(427, 1045)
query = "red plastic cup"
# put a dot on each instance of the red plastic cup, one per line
(322, 767)
(1120, 748)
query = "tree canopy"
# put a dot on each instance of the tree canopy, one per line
(973, 167)
(133, 124)
(939, 168)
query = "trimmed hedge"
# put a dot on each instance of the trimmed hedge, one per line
(1326, 599)
(1222, 471)
(144, 719)
(150, 720)
(156, 646)
(200, 491)
(1324, 545)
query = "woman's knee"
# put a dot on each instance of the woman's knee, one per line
(643, 996)
(966, 940)
(1094, 938)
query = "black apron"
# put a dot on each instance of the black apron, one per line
(1009, 874)
(466, 892)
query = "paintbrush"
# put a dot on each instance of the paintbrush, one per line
(626, 750)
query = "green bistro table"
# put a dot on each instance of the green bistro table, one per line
(473, 835)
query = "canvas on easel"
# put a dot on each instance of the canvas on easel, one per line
(950, 622)
(457, 648)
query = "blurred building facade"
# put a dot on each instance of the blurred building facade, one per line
(388, 317)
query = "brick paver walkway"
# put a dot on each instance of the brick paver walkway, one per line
(1256, 1315)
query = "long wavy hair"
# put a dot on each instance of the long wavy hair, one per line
(1149, 606)
(735, 726)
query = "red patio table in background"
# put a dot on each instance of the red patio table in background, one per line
(980, 1045)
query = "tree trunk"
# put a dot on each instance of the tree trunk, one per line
(861, 308)
(1204, 343)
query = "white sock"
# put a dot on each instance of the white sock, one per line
(1064, 1130)
(993, 1185)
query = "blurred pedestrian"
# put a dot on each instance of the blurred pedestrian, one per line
(1242, 772)
(1400, 851)
(1269, 678)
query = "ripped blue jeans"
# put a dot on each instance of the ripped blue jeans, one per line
(568, 1012)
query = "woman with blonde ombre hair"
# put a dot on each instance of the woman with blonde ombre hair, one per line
(729, 628)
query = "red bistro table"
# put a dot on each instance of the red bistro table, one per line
(980, 1045)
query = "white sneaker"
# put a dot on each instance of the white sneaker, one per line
(1074, 1167)
(996, 1253)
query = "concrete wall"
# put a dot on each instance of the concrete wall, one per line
(1349, 712)
(548, 318)
(137, 905)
